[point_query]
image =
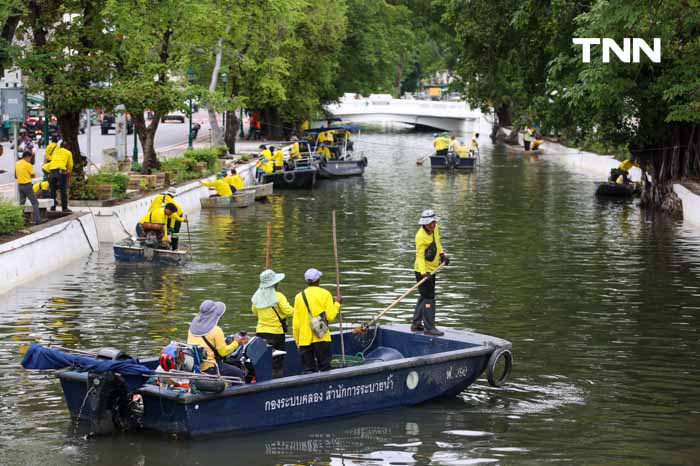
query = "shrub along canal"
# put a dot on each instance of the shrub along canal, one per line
(600, 300)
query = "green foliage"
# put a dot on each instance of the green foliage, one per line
(203, 155)
(11, 218)
(244, 158)
(220, 151)
(87, 190)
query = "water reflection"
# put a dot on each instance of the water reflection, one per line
(600, 299)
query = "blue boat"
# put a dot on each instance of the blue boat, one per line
(398, 368)
(131, 251)
(451, 161)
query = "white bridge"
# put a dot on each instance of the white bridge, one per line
(448, 116)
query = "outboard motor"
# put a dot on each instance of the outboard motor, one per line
(109, 401)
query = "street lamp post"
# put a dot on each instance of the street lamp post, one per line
(135, 157)
(190, 79)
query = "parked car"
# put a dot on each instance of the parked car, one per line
(174, 116)
(107, 123)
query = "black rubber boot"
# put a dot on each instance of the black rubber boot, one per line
(417, 323)
(429, 318)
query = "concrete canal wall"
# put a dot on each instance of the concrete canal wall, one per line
(48, 248)
(117, 222)
(691, 205)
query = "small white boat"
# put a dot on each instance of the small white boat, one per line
(243, 198)
(217, 202)
(263, 190)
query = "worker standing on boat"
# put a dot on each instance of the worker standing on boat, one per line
(528, 137)
(474, 145)
(325, 151)
(440, 144)
(314, 302)
(272, 309)
(294, 153)
(278, 158)
(173, 225)
(429, 255)
(205, 332)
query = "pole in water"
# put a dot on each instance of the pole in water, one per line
(337, 290)
(268, 260)
(189, 238)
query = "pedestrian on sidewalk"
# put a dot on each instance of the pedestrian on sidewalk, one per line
(24, 172)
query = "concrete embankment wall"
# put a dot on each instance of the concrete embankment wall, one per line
(118, 222)
(46, 250)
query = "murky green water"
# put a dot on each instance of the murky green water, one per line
(600, 301)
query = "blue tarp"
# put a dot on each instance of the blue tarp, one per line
(38, 357)
(351, 128)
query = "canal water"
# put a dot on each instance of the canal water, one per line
(600, 300)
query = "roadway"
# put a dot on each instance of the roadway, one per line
(168, 134)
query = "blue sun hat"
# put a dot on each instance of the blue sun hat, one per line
(312, 275)
(266, 296)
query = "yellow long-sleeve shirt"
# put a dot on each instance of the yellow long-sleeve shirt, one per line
(62, 159)
(279, 158)
(24, 171)
(265, 164)
(325, 151)
(41, 185)
(267, 320)
(266, 154)
(626, 165)
(158, 216)
(234, 180)
(320, 300)
(218, 341)
(441, 143)
(160, 200)
(223, 189)
(423, 241)
(49, 151)
(294, 151)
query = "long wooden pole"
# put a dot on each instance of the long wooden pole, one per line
(268, 261)
(337, 289)
(363, 327)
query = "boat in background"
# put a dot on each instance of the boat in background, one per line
(296, 176)
(243, 198)
(613, 189)
(345, 162)
(215, 202)
(452, 162)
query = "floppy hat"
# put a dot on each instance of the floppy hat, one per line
(427, 217)
(172, 191)
(209, 314)
(311, 275)
(266, 296)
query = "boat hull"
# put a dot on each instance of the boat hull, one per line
(610, 189)
(126, 253)
(263, 190)
(217, 202)
(460, 163)
(437, 367)
(292, 179)
(342, 168)
(243, 198)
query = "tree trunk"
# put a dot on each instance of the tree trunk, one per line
(504, 115)
(273, 124)
(69, 123)
(147, 137)
(231, 130)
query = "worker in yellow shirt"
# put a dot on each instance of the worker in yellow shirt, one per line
(474, 145)
(234, 180)
(294, 152)
(60, 167)
(314, 302)
(621, 174)
(53, 145)
(155, 217)
(41, 190)
(24, 172)
(265, 153)
(429, 255)
(461, 150)
(174, 225)
(325, 151)
(223, 189)
(278, 158)
(440, 144)
(205, 332)
(272, 309)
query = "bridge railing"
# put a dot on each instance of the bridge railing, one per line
(402, 106)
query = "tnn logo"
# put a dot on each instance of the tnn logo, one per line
(623, 54)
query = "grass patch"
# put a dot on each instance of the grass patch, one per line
(11, 218)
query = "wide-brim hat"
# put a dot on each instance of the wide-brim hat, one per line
(208, 317)
(427, 217)
(172, 191)
(266, 296)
